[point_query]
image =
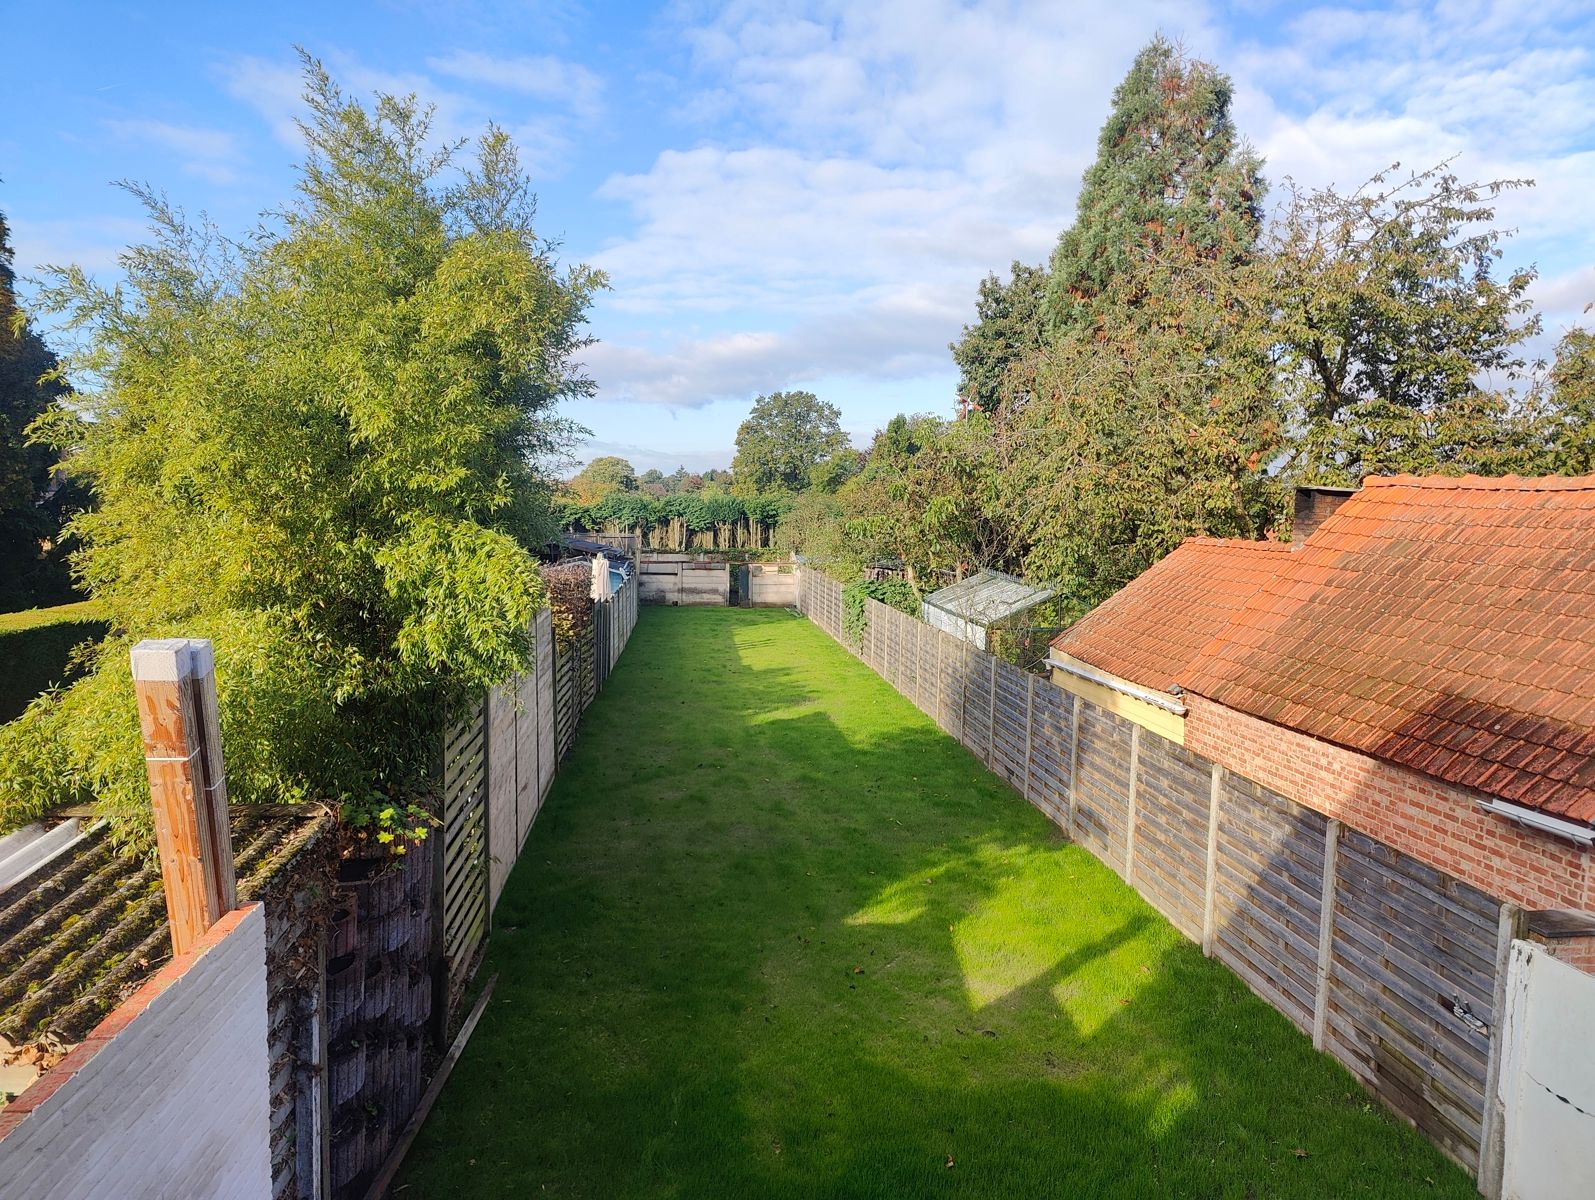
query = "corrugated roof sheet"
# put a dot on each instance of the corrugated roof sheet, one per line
(1151, 630)
(82, 933)
(987, 597)
(1444, 624)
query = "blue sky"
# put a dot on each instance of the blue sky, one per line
(788, 194)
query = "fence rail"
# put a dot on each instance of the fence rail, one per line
(1391, 966)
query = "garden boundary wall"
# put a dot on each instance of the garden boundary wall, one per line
(167, 1096)
(683, 579)
(1393, 967)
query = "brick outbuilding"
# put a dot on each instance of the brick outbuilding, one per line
(1419, 666)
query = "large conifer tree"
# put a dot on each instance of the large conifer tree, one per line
(1171, 173)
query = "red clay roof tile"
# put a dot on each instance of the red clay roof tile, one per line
(1150, 631)
(1476, 597)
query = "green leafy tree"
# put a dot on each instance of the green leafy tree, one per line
(316, 446)
(831, 473)
(785, 436)
(34, 499)
(1567, 426)
(1157, 426)
(1397, 342)
(1171, 175)
(928, 497)
(1007, 330)
(602, 477)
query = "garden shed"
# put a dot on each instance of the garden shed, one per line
(971, 608)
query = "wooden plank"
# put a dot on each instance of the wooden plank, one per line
(1511, 924)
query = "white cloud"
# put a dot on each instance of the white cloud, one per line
(865, 165)
(275, 90)
(210, 154)
(93, 243)
(567, 84)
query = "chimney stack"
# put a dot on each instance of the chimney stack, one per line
(1314, 506)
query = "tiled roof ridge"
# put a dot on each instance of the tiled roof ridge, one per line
(1234, 543)
(1487, 483)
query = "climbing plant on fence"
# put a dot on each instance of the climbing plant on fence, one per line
(898, 593)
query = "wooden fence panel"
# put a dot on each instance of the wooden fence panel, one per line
(1052, 722)
(464, 834)
(908, 656)
(1102, 785)
(1412, 960)
(975, 705)
(567, 695)
(1268, 895)
(503, 829)
(1171, 807)
(1009, 734)
(547, 731)
(925, 673)
(958, 662)
(528, 771)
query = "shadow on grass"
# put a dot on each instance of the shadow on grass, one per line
(775, 935)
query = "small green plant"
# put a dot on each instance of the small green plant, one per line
(898, 593)
(395, 824)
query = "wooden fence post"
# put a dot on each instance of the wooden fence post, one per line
(1326, 931)
(941, 682)
(175, 681)
(1074, 760)
(1512, 924)
(1129, 816)
(1030, 730)
(1210, 900)
(991, 712)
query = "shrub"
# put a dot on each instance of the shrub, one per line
(898, 593)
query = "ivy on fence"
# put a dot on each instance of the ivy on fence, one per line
(898, 593)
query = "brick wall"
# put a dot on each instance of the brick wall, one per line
(167, 1097)
(1434, 822)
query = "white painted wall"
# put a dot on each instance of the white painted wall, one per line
(173, 1104)
(1548, 1078)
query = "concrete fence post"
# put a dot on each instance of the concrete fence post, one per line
(1130, 813)
(1326, 932)
(1512, 923)
(1215, 791)
(175, 681)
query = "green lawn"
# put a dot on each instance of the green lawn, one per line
(36, 648)
(776, 935)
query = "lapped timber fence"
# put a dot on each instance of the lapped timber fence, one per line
(498, 760)
(1392, 967)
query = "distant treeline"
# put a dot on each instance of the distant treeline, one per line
(683, 521)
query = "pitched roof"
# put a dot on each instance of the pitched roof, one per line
(988, 596)
(1150, 631)
(1444, 624)
(88, 924)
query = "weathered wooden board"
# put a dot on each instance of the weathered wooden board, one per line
(975, 704)
(503, 827)
(1171, 805)
(547, 733)
(1052, 716)
(1412, 960)
(1008, 741)
(464, 834)
(1267, 894)
(1102, 785)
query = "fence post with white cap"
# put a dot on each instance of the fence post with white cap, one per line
(175, 679)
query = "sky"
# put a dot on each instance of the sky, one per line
(787, 195)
